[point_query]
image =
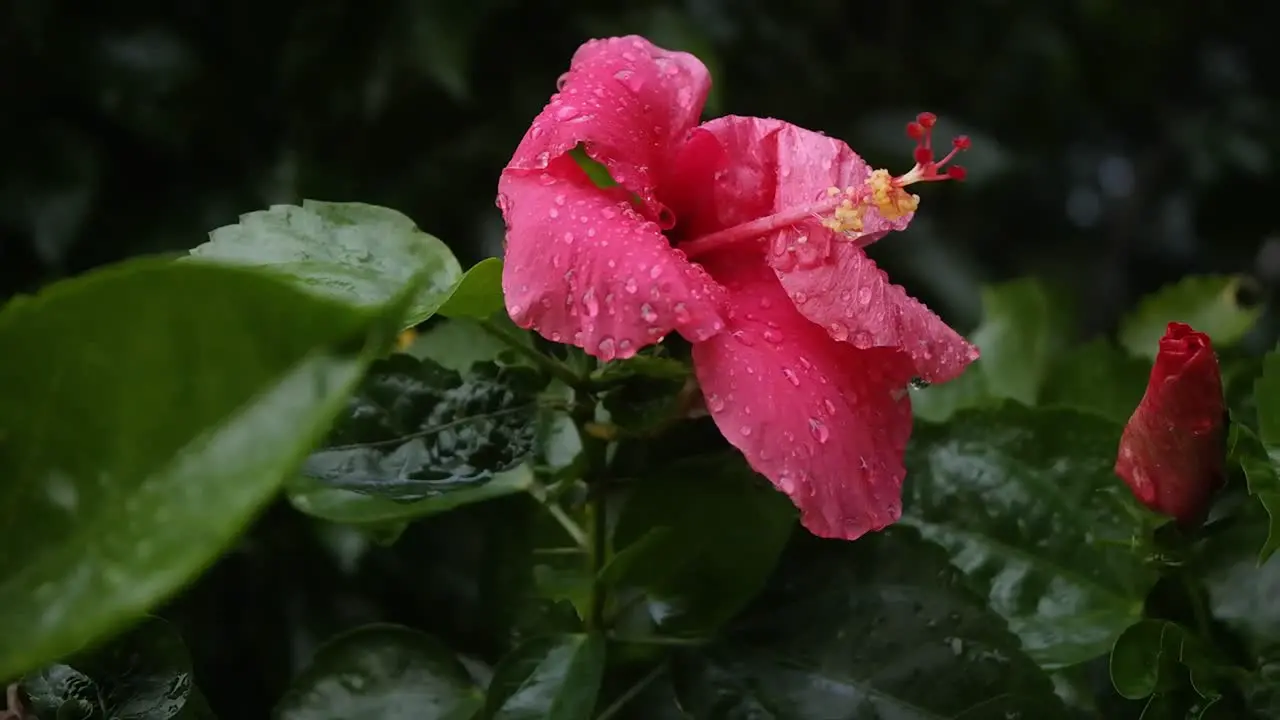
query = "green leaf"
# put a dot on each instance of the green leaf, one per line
(1097, 377)
(1243, 595)
(457, 344)
(1028, 506)
(360, 254)
(548, 678)
(879, 628)
(1145, 657)
(478, 293)
(1264, 479)
(718, 543)
(145, 674)
(1213, 304)
(140, 432)
(417, 430)
(1022, 329)
(1262, 474)
(61, 692)
(345, 506)
(1024, 326)
(645, 392)
(386, 672)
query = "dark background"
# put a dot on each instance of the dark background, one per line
(1117, 146)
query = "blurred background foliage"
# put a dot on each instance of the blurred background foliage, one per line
(1117, 146)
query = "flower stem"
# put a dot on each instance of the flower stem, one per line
(595, 451)
(550, 365)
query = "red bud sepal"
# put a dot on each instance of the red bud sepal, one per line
(1172, 453)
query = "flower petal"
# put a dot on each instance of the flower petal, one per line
(585, 268)
(630, 103)
(826, 422)
(771, 166)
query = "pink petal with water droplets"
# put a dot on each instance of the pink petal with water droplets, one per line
(826, 422)
(584, 268)
(630, 102)
(830, 279)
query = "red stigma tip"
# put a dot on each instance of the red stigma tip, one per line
(927, 169)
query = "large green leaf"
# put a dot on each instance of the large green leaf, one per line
(1213, 304)
(360, 254)
(699, 539)
(386, 672)
(548, 678)
(418, 430)
(1262, 473)
(320, 500)
(149, 411)
(1027, 504)
(1243, 595)
(879, 628)
(1097, 377)
(1264, 481)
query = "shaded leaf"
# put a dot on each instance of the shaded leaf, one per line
(703, 557)
(936, 403)
(61, 691)
(880, 628)
(1263, 478)
(1213, 304)
(1097, 377)
(457, 344)
(1243, 595)
(357, 253)
(478, 293)
(1145, 657)
(386, 672)
(1027, 504)
(140, 432)
(1264, 481)
(551, 678)
(647, 392)
(417, 430)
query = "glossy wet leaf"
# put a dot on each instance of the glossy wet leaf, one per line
(548, 678)
(880, 628)
(317, 499)
(1146, 656)
(478, 293)
(1023, 327)
(357, 253)
(1263, 469)
(1243, 595)
(1097, 377)
(705, 555)
(1213, 304)
(1262, 474)
(140, 433)
(386, 672)
(144, 674)
(1026, 503)
(416, 430)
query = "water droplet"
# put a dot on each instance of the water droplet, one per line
(799, 297)
(682, 312)
(606, 349)
(647, 313)
(631, 286)
(765, 303)
(608, 213)
(560, 81)
(818, 430)
(791, 376)
(655, 272)
(772, 336)
(554, 213)
(838, 331)
(590, 303)
(863, 339)
(831, 407)
(715, 403)
(864, 296)
(566, 112)
(787, 483)
(560, 199)
(567, 238)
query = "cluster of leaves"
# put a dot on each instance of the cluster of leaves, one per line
(640, 569)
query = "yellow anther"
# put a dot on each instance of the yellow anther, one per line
(889, 198)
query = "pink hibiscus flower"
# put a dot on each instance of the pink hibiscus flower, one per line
(746, 236)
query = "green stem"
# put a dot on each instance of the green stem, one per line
(595, 452)
(550, 365)
(616, 706)
(572, 528)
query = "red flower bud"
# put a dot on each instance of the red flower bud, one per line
(1171, 453)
